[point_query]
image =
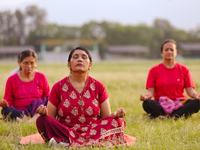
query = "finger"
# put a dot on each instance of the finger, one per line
(45, 113)
(38, 109)
(42, 111)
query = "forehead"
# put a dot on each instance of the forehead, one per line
(30, 58)
(169, 44)
(79, 52)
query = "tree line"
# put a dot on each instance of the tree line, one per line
(28, 26)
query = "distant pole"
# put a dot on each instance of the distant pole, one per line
(95, 47)
(42, 50)
(63, 47)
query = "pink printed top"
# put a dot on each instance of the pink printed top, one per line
(20, 94)
(169, 82)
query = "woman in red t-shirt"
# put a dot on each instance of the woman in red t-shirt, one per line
(25, 90)
(79, 110)
(167, 83)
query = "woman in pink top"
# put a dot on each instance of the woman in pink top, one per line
(25, 90)
(167, 83)
(78, 111)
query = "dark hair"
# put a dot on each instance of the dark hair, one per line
(166, 41)
(26, 53)
(79, 48)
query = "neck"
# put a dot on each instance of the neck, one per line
(169, 63)
(77, 77)
(26, 77)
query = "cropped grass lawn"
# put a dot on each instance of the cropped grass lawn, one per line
(125, 82)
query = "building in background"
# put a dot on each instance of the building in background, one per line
(10, 53)
(189, 50)
(127, 52)
(56, 50)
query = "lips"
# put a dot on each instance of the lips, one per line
(28, 70)
(79, 65)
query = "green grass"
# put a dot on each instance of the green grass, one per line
(125, 82)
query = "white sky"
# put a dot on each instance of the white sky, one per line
(183, 14)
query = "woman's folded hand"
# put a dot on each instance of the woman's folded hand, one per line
(42, 110)
(3, 103)
(120, 113)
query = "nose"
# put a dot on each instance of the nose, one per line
(80, 58)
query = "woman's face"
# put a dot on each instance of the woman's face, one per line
(79, 62)
(169, 51)
(28, 64)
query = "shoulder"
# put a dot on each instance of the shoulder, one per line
(96, 82)
(39, 74)
(156, 67)
(182, 67)
(60, 83)
(13, 77)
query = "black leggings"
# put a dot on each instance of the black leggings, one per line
(155, 109)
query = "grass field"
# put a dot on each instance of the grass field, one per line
(125, 82)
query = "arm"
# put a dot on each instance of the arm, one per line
(105, 108)
(52, 109)
(46, 90)
(149, 94)
(8, 96)
(192, 93)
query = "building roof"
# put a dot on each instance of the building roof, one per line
(64, 41)
(14, 49)
(190, 46)
(127, 49)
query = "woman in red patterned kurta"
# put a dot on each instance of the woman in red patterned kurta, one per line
(79, 110)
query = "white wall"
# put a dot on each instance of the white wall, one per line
(63, 56)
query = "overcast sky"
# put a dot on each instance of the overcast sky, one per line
(183, 14)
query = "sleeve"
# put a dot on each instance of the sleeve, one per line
(188, 81)
(54, 96)
(103, 94)
(46, 90)
(151, 79)
(8, 96)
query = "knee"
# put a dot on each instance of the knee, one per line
(196, 103)
(40, 121)
(5, 111)
(146, 104)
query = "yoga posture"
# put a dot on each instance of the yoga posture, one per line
(78, 111)
(167, 82)
(25, 90)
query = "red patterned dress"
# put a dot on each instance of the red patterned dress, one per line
(79, 113)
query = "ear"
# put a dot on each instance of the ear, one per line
(19, 63)
(90, 65)
(69, 65)
(36, 65)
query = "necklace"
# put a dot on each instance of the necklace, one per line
(81, 101)
(31, 87)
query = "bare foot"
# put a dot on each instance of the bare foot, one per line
(25, 118)
(34, 118)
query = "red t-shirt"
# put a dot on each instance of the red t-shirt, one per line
(169, 82)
